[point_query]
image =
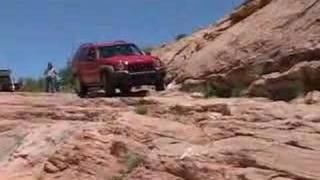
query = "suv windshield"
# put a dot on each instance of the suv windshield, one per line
(118, 50)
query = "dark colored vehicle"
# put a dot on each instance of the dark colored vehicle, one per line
(119, 64)
(7, 83)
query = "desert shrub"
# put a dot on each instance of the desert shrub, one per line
(66, 78)
(202, 88)
(33, 84)
(141, 109)
(180, 36)
(288, 91)
(209, 90)
(239, 91)
(133, 161)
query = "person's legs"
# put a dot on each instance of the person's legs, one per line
(56, 85)
(53, 85)
(48, 79)
(52, 88)
(50, 85)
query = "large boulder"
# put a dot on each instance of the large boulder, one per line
(302, 77)
(260, 37)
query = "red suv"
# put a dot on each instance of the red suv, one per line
(115, 65)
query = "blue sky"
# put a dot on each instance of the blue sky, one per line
(33, 32)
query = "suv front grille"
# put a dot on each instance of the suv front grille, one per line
(140, 67)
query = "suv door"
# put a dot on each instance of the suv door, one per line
(89, 67)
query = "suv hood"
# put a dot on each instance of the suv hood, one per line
(133, 59)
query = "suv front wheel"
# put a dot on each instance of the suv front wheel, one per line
(79, 88)
(108, 86)
(160, 85)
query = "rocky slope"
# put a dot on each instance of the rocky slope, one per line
(170, 136)
(258, 39)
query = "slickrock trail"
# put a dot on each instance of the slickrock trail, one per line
(169, 136)
(264, 48)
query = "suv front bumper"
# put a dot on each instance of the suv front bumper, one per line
(125, 78)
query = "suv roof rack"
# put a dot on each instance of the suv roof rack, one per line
(120, 41)
(86, 44)
(104, 43)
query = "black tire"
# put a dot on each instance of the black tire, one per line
(108, 84)
(125, 89)
(160, 86)
(79, 88)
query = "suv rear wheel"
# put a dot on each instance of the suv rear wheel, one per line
(108, 86)
(79, 88)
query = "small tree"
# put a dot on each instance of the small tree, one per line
(180, 36)
(66, 77)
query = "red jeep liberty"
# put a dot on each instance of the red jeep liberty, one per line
(115, 65)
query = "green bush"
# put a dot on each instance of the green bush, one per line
(67, 78)
(142, 110)
(239, 91)
(133, 161)
(288, 91)
(209, 90)
(180, 36)
(33, 84)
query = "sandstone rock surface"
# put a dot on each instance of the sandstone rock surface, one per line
(179, 137)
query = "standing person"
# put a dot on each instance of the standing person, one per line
(50, 76)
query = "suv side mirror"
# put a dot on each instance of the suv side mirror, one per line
(91, 55)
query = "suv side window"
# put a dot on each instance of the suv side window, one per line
(91, 55)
